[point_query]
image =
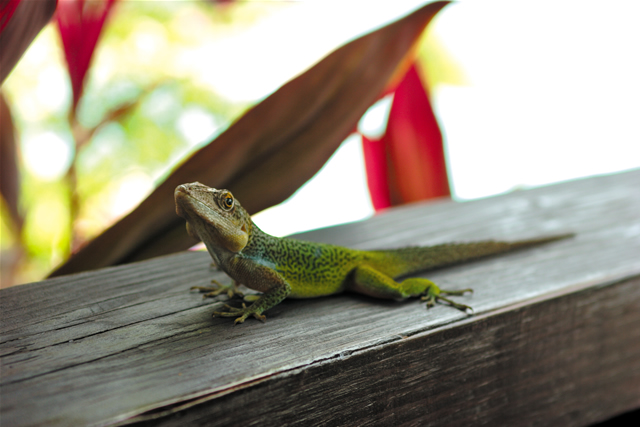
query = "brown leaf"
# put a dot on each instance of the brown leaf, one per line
(24, 25)
(270, 151)
(9, 176)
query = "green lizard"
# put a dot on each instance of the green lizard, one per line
(286, 268)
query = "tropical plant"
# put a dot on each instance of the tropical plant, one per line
(264, 156)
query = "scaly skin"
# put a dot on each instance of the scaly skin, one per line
(286, 268)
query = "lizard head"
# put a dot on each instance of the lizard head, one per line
(213, 216)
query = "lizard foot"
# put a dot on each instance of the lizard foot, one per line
(435, 294)
(214, 291)
(244, 312)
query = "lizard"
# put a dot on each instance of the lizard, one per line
(281, 267)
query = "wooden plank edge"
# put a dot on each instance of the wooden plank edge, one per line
(273, 388)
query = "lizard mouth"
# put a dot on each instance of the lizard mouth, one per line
(183, 197)
(190, 207)
(181, 193)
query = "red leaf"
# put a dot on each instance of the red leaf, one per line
(413, 165)
(415, 143)
(20, 22)
(375, 161)
(6, 12)
(80, 23)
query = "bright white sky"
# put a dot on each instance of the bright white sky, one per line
(553, 94)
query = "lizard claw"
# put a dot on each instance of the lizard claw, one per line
(435, 294)
(244, 312)
(214, 291)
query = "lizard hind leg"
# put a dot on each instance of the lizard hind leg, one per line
(369, 281)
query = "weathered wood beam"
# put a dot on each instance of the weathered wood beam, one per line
(554, 336)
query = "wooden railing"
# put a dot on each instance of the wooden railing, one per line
(555, 337)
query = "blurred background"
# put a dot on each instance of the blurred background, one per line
(526, 94)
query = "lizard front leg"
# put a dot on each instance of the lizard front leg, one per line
(369, 281)
(264, 279)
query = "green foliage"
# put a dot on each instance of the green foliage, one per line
(126, 134)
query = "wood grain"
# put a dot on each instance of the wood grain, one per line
(554, 338)
(522, 366)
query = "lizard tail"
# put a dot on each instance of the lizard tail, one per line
(399, 262)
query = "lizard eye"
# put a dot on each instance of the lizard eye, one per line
(227, 201)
